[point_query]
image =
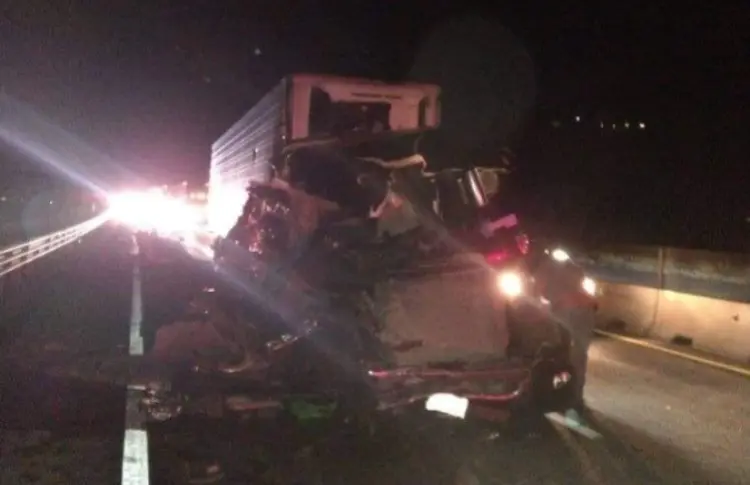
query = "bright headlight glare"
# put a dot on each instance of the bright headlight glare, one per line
(134, 209)
(560, 255)
(152, 210)
(589, 286)
(510, 283)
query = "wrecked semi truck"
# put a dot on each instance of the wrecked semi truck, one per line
(348, 268)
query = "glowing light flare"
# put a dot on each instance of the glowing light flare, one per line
(199, 245)
(589, 286)
(496, 257)
(510, 284)
(560, 255)
(224, 204)
(153, 210)
(132, 208)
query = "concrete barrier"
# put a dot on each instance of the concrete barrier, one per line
(700, 298)
(724, 276)
(627, 308)
(711, 325)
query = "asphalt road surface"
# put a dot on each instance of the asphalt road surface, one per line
(62, 318)
(655, 418)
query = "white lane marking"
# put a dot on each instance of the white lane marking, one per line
(136, 315)
(135, 444)
(579, 428)
(135, 468)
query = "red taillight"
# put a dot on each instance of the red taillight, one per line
(523, 243)
(497, 257)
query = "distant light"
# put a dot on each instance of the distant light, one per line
(556, 124)
(642, 125)
(578, 119)
(151, 210)
(51, 202)
(3, 199)
(627, 124)
(614, 126)
(510, 284)
(589, 286)
(601, 124)
(560, 255)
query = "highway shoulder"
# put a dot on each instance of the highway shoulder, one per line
(683, 352)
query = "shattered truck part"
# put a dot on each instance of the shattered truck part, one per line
(401, 387)
(325, 313)
(346, 270)
(304, 110)
(442, 315)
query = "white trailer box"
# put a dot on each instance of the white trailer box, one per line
(304, 109)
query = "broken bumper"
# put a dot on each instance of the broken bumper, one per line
(544, 385)
(541, 386)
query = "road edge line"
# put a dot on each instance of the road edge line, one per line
(735, 369)
(135, 461)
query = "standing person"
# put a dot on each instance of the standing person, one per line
(562, 283)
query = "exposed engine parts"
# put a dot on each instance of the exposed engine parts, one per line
(364, 280)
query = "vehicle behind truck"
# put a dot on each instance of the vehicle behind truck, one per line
(348, 269)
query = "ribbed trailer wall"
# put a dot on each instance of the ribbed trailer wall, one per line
(248, 150)
(243, 154)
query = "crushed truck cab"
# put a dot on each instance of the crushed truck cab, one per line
(348, 269)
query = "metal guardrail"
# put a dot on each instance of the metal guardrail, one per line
(19, 255)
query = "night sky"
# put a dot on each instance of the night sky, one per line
(151, 84)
